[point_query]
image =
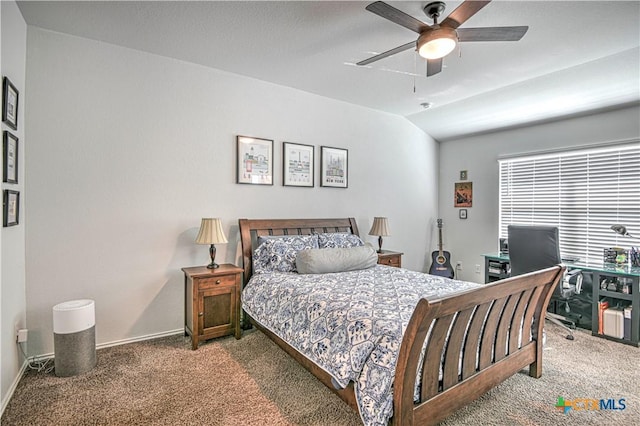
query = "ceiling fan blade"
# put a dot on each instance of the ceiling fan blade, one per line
(491, 33)
(397, 16)
(434, 66)
(388, 53)
(463, 12)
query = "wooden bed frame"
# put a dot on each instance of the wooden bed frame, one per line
(478, 323)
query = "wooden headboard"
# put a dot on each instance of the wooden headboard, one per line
(251, 229)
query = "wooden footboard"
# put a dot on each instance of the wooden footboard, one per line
(492, 334)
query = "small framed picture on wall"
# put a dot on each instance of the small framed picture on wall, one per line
(463, 194)
(462, 214)
(255, 160)
(10, 156)
(297, 164)
(335, 167)
(11, 202)
(9, 104)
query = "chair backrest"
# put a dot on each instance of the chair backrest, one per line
(532, 248)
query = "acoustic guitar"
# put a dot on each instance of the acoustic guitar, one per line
(440, 259)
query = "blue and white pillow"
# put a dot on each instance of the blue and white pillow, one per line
(339, 240)
(278, 254)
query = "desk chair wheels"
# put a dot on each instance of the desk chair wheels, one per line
(560, 322)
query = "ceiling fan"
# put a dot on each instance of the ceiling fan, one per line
(438, 40)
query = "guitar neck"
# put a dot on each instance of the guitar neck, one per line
(440, 241)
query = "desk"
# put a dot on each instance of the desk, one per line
(497, 267)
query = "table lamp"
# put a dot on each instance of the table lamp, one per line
(211, 233)
(380, 228)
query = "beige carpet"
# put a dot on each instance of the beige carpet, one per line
(253, 382)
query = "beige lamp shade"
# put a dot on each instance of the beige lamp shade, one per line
(211, 232)
(380, 227)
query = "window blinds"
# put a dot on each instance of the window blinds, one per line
(583, 192)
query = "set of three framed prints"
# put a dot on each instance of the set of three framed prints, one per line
(255, 163)
(11, 198)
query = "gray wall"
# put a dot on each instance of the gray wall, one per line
(12, 239)
(468, 239)
(128, 150)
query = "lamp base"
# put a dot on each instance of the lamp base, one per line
(380, 244)
(212, 254)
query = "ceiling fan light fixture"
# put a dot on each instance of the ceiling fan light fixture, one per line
(437, 43)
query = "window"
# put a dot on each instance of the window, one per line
(583, 192)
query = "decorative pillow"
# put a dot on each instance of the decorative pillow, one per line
(339, 240)
(278, 254)
(326, 260)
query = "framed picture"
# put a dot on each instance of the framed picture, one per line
(11, 207)
(335, 167)
(255, 160)
(463, 196)
(462, 214)
(10, 156)
(10, 104)
(297, 164)
(463, 175)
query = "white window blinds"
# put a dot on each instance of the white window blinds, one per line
(583, 192)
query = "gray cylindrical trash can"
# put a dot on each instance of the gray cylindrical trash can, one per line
(74, 337)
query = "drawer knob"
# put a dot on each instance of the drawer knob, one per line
(218, 281)
(200, 314)
(389, 261)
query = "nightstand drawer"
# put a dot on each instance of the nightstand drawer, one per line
(390, 258)
(215, 282)
(390, 261)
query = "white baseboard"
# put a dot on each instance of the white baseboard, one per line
(140, 338)
(13, 387)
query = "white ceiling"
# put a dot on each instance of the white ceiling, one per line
(577, 57)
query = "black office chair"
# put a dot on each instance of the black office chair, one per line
(532, 248)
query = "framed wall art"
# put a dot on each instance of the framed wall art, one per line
(462, 214)
(297, 164)
(334, 167)
(255, 160)
(463, 196)
(9, 104)
(11, 203)
(10, 156)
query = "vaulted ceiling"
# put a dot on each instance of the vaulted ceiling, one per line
(577, 56)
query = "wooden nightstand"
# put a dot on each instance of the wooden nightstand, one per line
(212, 302)
(390, 258)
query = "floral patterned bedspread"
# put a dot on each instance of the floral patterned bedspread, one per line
(348, 323)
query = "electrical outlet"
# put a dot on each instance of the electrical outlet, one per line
(459, 265)
(477, 269)
(21, 335)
